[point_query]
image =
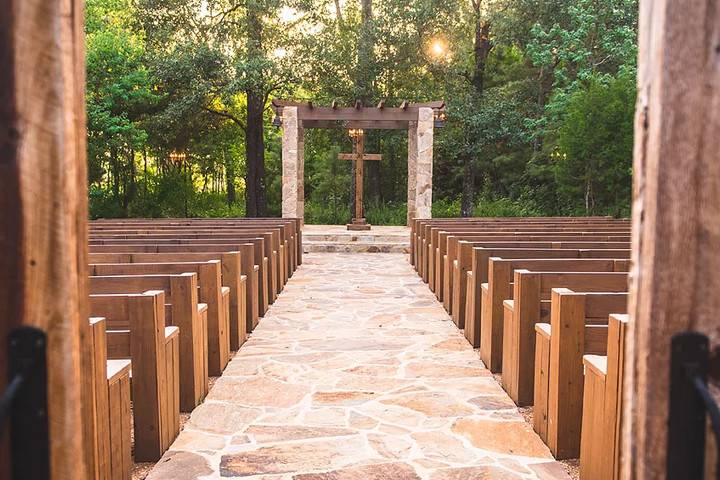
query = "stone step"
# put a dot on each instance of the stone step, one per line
(356, 247)
(355, 237)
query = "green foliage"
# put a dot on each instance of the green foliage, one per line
(549, 132)
(594, 149)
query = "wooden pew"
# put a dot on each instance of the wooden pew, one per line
(473, 257)
(274, 252)
(247, 267)
(602, 406)
(448, 251)
(421, 230)
(442, 262)
(136, 331)
(531, 305)
(230, 274)
(291, 229)
(210, 292)
(440, 244)
(111, 389)
(499, 288)
(473, 312)
(459, 254)
(184, 311)
(579, 325)
(261, 261)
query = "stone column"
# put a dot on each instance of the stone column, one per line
(424, 163)
(412, 170)
(301, 174)
(293, 204)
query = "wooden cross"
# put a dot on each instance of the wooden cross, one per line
(360, 157)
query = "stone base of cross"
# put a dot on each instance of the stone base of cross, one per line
(360, 157)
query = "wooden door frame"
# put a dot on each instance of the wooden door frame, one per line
(43, 212)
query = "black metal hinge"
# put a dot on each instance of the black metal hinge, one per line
(24, 404)
(690, 404)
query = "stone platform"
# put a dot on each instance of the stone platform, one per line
(357, 373)
(337, 239)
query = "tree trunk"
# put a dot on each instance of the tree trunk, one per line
(229, 179)
(481, 52)
(467, 201)
(254, 141)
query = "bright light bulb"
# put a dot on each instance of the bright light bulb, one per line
(280, 52)
(438, 48)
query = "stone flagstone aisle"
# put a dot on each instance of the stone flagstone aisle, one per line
(357, 372)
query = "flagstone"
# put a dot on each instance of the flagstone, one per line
(222, 418)
(475, 473)
(342, 397)
(178, 464)
(434, 404)
(284, 433)
(441, 446)
(291, 457)
(258, 391)
(357, 373)
(441, 371)
(382, 471)
(362, 422)
(390, 446)
(512, 438)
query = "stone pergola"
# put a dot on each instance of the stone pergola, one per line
(419, 119)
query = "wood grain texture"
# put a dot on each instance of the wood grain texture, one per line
(43, 210)
(676, 206)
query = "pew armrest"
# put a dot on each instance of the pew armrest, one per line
(542, 328)
(116, 369)
(597, 363)
(170, 333)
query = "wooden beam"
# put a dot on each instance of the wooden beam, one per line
(43, 211)
(366, 156)
(676, 206)
(436, 105)
(362, 124)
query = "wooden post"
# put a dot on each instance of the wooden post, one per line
(359, 164)
(43, 212)
(358, 157)
(676, 214)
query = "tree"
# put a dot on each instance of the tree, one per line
(594, 151)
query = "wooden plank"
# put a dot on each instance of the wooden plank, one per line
(542, 367)
(676, 204)
(100, 390)
(43, 212)
(147, 325)
(591, 444)
(365, 157)
(565, 372)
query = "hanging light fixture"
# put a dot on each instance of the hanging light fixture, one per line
(277, 121)
(439, 118)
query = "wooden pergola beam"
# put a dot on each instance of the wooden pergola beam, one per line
(363, 124)
(356, 116)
